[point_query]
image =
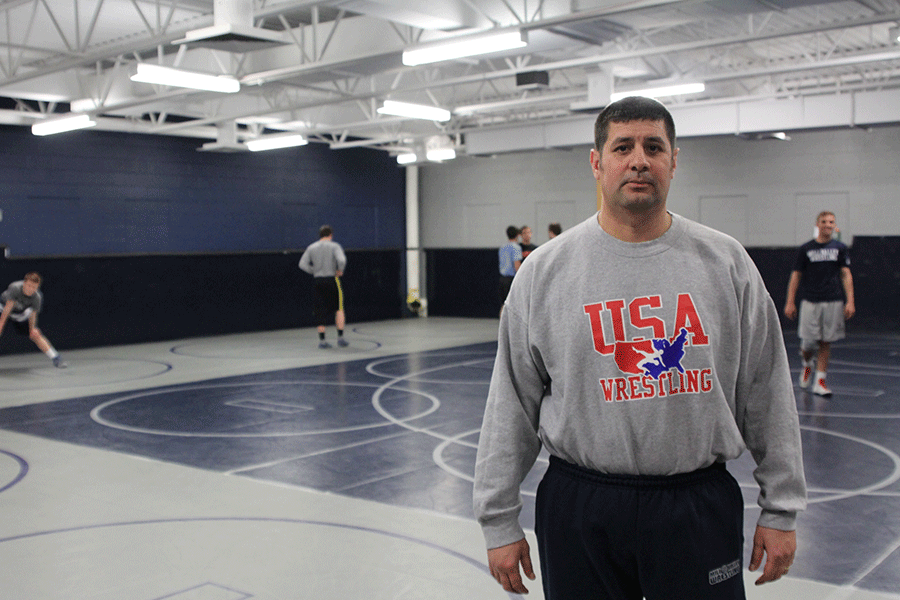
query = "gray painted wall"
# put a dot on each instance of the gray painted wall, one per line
(762, 192)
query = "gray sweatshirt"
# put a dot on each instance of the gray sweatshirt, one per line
(654, 358)
(323, 258)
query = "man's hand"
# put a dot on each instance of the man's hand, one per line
(849, 310)
(779, 548)
(504, 563)
(790, 311)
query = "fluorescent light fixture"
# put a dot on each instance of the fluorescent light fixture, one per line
(274, 142)
(894, 33)
(414, 111)
(439, 154)
(407, 158)
(659, 92)
(149, 73)
(64, 124)
(464, 46)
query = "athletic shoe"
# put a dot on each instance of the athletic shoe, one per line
(323, 345)
(342, 342)
(820, 388)
(59, 363)
(806, 374)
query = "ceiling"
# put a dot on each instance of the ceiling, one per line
(323, 68)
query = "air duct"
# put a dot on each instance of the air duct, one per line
(232, 30)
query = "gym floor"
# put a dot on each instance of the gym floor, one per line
(258, 466)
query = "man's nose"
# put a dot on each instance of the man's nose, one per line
(639, 161)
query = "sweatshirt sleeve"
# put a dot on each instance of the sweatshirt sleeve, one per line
(340, 257)
(766, 410)
(509, 443)
(305, 263)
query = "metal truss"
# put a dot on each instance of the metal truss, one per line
(341, 58)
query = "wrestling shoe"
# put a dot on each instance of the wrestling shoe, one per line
(342, 342)
(59, 363)
(806, 374)
(323, 345)
(820, 388)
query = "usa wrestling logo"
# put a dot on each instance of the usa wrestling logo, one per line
(652, 367)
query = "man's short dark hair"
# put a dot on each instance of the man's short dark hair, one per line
(511, 232)
(555, 228)
(632, 108)
(325, 231)
(33, 276)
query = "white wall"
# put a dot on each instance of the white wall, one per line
(469, 202)
(763, 192)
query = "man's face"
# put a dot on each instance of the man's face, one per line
(635, 166)
(29, 288)
(526, 235)
(826, 225)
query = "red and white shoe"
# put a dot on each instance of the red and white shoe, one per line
(820, 388)
(806, 375)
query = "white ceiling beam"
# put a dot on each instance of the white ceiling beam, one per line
(424, 14)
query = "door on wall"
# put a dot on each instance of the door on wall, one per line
(808, 205)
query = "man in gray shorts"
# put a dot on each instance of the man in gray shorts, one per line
(823, 265)
(21, 303)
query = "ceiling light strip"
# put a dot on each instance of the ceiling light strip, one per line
(274, 142)
(464, 46)
(440, 154)
(661, 92)
(414, 111)
(160, 75)
(62, 125)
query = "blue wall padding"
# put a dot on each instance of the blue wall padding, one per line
(97, 192)
(463, 282)
(102, 301)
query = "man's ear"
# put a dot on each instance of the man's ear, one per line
(595, 163)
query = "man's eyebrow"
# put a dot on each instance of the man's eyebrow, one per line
(630, 139)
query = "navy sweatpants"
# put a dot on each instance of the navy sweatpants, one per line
(623, 537)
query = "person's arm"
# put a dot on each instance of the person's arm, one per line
(766, 415)
(305, 263)
(790, 305)
(341, 259)
(508, 445)
(847, 282)
(517, 264)
(7, 308)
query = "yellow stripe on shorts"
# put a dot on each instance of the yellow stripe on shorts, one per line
(337, 280)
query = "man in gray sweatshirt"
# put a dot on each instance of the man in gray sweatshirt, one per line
(643, 351)
(325, 261)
